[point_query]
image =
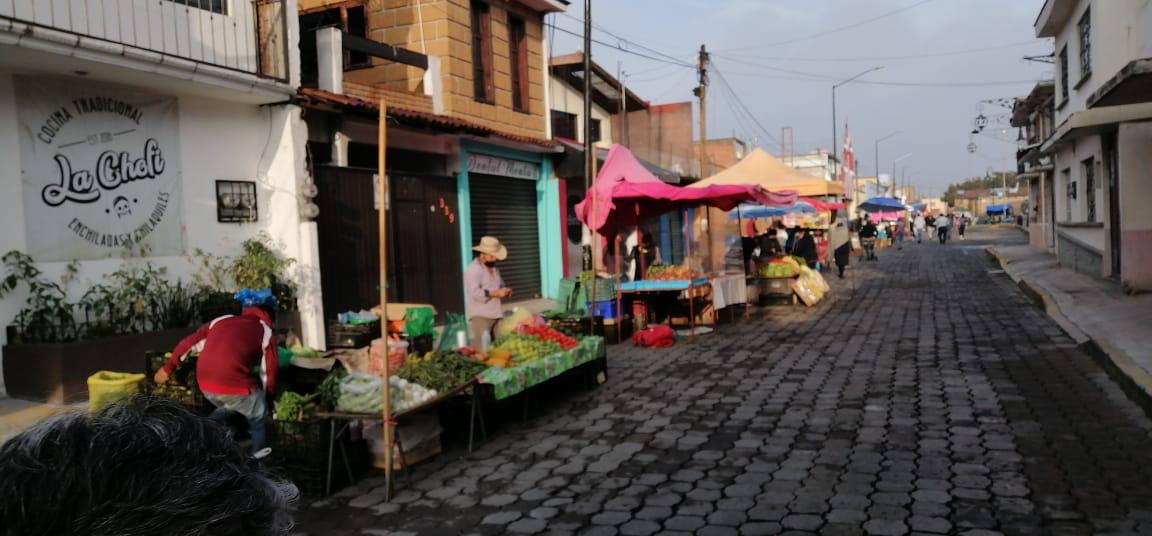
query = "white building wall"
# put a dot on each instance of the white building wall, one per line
(1121, 32)
(565, 99)
(218, 140)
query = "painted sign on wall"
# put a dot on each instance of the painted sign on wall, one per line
(101, 170)
(492, 165)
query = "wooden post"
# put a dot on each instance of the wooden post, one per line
(389, 432)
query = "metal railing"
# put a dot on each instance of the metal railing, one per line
(248, 36)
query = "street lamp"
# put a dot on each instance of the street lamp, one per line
(909, 155)
(834, 86)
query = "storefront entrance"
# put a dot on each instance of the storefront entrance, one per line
(507, 209)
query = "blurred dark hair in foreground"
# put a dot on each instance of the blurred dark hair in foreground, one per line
(141, 466)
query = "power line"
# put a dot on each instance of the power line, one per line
(752, 116)
(679, 63)
(892, 58)
(833, 30)
(624, 39)
(818, 77)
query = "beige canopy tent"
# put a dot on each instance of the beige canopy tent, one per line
(766, 171)
(763, 169)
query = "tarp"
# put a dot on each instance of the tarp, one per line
(572, 165)
(803, 205)
(998, 209)
(762, 169)
(627, 193)
(882, 204)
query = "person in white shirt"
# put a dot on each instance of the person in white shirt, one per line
(943, 224)
(918, 226)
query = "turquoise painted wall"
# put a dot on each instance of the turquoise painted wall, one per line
(548, 211)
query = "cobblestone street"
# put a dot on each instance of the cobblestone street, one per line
(927, 395)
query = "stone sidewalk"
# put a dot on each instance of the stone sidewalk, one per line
(1093, 311)
(926, 396)
(17, 415)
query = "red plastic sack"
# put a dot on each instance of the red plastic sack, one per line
(659, 336)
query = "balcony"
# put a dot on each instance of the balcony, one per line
(246, 37)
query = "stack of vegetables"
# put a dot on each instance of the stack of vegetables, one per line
(663, 272)
(295, 407)
(780, 267)
(525, 348)
(442, 370)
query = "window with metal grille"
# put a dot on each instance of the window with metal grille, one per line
(1090, 189)
(1085, 26)
(482, 85)
(518, 60)
(215, 6)
(563, 125)
(1069, 192)
(1063, 75)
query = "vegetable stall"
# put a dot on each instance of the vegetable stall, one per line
(626, 193)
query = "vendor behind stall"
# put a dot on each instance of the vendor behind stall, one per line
(485, 288)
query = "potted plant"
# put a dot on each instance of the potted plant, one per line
(56, 344)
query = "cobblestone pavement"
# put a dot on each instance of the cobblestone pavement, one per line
(927, 397)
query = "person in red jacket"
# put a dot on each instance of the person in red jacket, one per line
(238, 360)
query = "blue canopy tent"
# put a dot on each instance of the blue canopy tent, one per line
(761, 211)
(882, 204)
(999, 210)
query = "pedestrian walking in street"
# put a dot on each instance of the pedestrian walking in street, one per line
(898, 233)
(868, 239)
(841, 242)
(930, 222)
(485, 288)
(943, 223)
(961, 225)
(805, 247)
(918, 227)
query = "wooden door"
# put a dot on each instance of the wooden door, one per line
(348, 232)
(427, 238)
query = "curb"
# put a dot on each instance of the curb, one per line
(1132, 379)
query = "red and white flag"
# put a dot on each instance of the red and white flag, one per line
(847, 162)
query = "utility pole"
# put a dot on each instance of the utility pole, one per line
(701, 92)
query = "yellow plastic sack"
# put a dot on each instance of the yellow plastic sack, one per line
(106, 387)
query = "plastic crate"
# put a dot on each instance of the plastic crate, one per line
(299, 442)
(605, 309)
(352, 335)
(300, 455)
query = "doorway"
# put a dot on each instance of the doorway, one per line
(1112, 171)
(1050, 204)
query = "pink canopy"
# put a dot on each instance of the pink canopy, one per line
(626, 193)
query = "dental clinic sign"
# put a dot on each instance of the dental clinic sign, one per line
(101, 170)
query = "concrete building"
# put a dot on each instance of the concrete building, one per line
(722, 153)
(1035, 114)
(1100, 146)
(137, 128)
(818, 163)
(468, 146)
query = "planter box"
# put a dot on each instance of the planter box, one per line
(58, 373)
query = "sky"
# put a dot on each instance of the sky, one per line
(780, 59)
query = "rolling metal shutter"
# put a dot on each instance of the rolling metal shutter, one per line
(506, 208)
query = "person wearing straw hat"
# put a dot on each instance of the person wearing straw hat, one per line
(485, 289)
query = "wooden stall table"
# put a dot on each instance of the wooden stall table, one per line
(728, 291)
(340, 422)
(690, 289)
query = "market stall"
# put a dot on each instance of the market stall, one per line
(626, 194)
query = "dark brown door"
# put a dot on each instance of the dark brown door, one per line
(427, 238)
(348, 232)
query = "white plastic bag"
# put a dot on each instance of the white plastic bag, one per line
(361, 393)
